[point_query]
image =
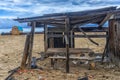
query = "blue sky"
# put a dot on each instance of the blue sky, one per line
(10, 9)
(26, 8)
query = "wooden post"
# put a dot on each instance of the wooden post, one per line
(45, 37)
(71, 39)
(114, 41)
(31, 43)
(67, 26)
(106, 47)
(25, 53)
(51, 41)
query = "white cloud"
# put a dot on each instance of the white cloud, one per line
(8, 17)
(38, 7)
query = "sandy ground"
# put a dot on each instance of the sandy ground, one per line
(11, 50)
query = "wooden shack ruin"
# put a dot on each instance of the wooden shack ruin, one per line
(59, 38)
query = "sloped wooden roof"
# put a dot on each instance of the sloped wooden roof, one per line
(98, 16)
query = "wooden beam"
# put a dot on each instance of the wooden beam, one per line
(52, 22)
(86, 29)
(67, 26)
(94, 20)
(39, 18)
(78, 36)
(81, 13)
(83, 19)
(71, 38)
(88, 37)
(106, 48)
(105, 19)
(45, 37)
(25, 53)
(31, 43)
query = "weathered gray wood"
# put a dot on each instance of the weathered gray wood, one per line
(9, 77)
(86, 29)
(71, 38)
(71, 50)
(114, 37)
(82, 12)
(67, 27)
(73, 58)
(86, 19)
(51, 22)
(45, 37)
(31, 43)
(51, 45)
(39, 18)
(25, 53)
(106, 48)
(88, 37)
(105, 19)
(79, 36)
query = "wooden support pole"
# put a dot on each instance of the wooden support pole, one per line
(67, 26)
(106, 47)
(105, 19)
(45, 37)
(25, 53)
(71, 38)
(31, 43)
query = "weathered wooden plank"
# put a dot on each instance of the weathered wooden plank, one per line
(71, 50)
(72, 38)
(88, 37)
(53, 22)
(82, 12)
(73, 58)
(86, 29)
(45, 37)
(79, 36)
(31, 19)
(51, 42)
(106, 48)
(105, 19)
(67, 26)
(25, 53)
(31, 43)
(114, 42)
(86, 18)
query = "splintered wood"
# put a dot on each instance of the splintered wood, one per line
(114, 41)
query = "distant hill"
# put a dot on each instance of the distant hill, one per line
(9, 23)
